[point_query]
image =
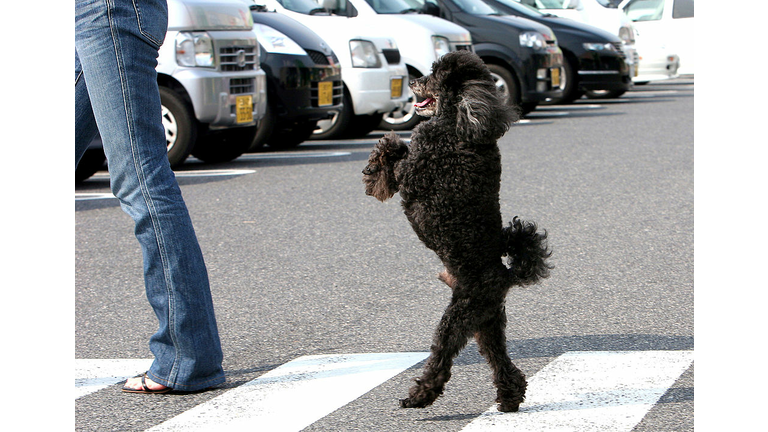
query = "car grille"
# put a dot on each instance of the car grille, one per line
(338, 91)
(322, 59)
(467, 47)
(392, 55)
(229, 58)
(241, 86)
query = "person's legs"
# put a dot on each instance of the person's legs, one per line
(116, 44)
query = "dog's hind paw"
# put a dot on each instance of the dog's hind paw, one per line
(414, 403)
(509, 406)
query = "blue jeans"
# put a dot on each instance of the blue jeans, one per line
(116, 48)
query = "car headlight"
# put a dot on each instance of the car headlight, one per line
(364, 54)
(533, 40)
(441, 45)
(194, 49)
(276, 42)
(598, 46)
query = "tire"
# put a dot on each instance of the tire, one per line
(91, 162)
(605, 94)
(225, 145)
(507, 85)
(284, 138)
(571, 91)
(404, 118)
(180, 126)
(264, 130)
(335, 128)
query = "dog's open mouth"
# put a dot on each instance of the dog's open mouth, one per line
(426, 107)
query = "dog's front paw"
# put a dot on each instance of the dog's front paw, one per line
(391, 147)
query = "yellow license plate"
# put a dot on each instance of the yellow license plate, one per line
(325, 93)
(396, 87)
(556, 77)
(244, 109)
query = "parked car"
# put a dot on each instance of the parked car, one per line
(593, 59)
(523, 56)
(665, 29)
(373, 72)
(212, 89)
(304, 82)
(422, 39)
(603, 14)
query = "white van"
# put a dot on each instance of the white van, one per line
(373, 72)
(664, 27)
(422, 39)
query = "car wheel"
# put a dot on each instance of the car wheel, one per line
(264, 130)
(335, 127)
(225, 145)
(404, 118)
(507, 86)
(284, 138)
(180, 126)
(91, 162)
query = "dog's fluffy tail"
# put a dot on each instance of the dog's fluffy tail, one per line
(526, 252)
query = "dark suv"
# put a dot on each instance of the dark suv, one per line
(593, 58)
(523, 55)
(303, 80)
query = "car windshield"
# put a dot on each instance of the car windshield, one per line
(521, 8)
(391, 6)
(547, 4)
(476, 7)
(300, 6)
(611, 4)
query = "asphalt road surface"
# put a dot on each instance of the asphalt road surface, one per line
(326, 300)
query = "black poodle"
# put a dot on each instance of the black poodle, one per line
(449, 178)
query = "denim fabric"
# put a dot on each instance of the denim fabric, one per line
(116, 48)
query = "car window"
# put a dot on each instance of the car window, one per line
(682, 9)
(644, 10)
(389, 6)
(300, 6)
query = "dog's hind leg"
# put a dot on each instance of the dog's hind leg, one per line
(509, 380)
(451, 337)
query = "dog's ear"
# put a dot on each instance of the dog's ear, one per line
(481, 113)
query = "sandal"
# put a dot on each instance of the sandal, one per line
(144, 389)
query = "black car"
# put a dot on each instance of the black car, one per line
(593, 58)
(303, 80)
(523, 55)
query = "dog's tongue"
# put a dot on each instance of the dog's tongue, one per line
(424, 103)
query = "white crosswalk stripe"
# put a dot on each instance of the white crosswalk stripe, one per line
(269, 402)
(591, 391)
(92, 375)
(578, 391)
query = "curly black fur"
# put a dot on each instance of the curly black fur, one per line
(449, 179)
